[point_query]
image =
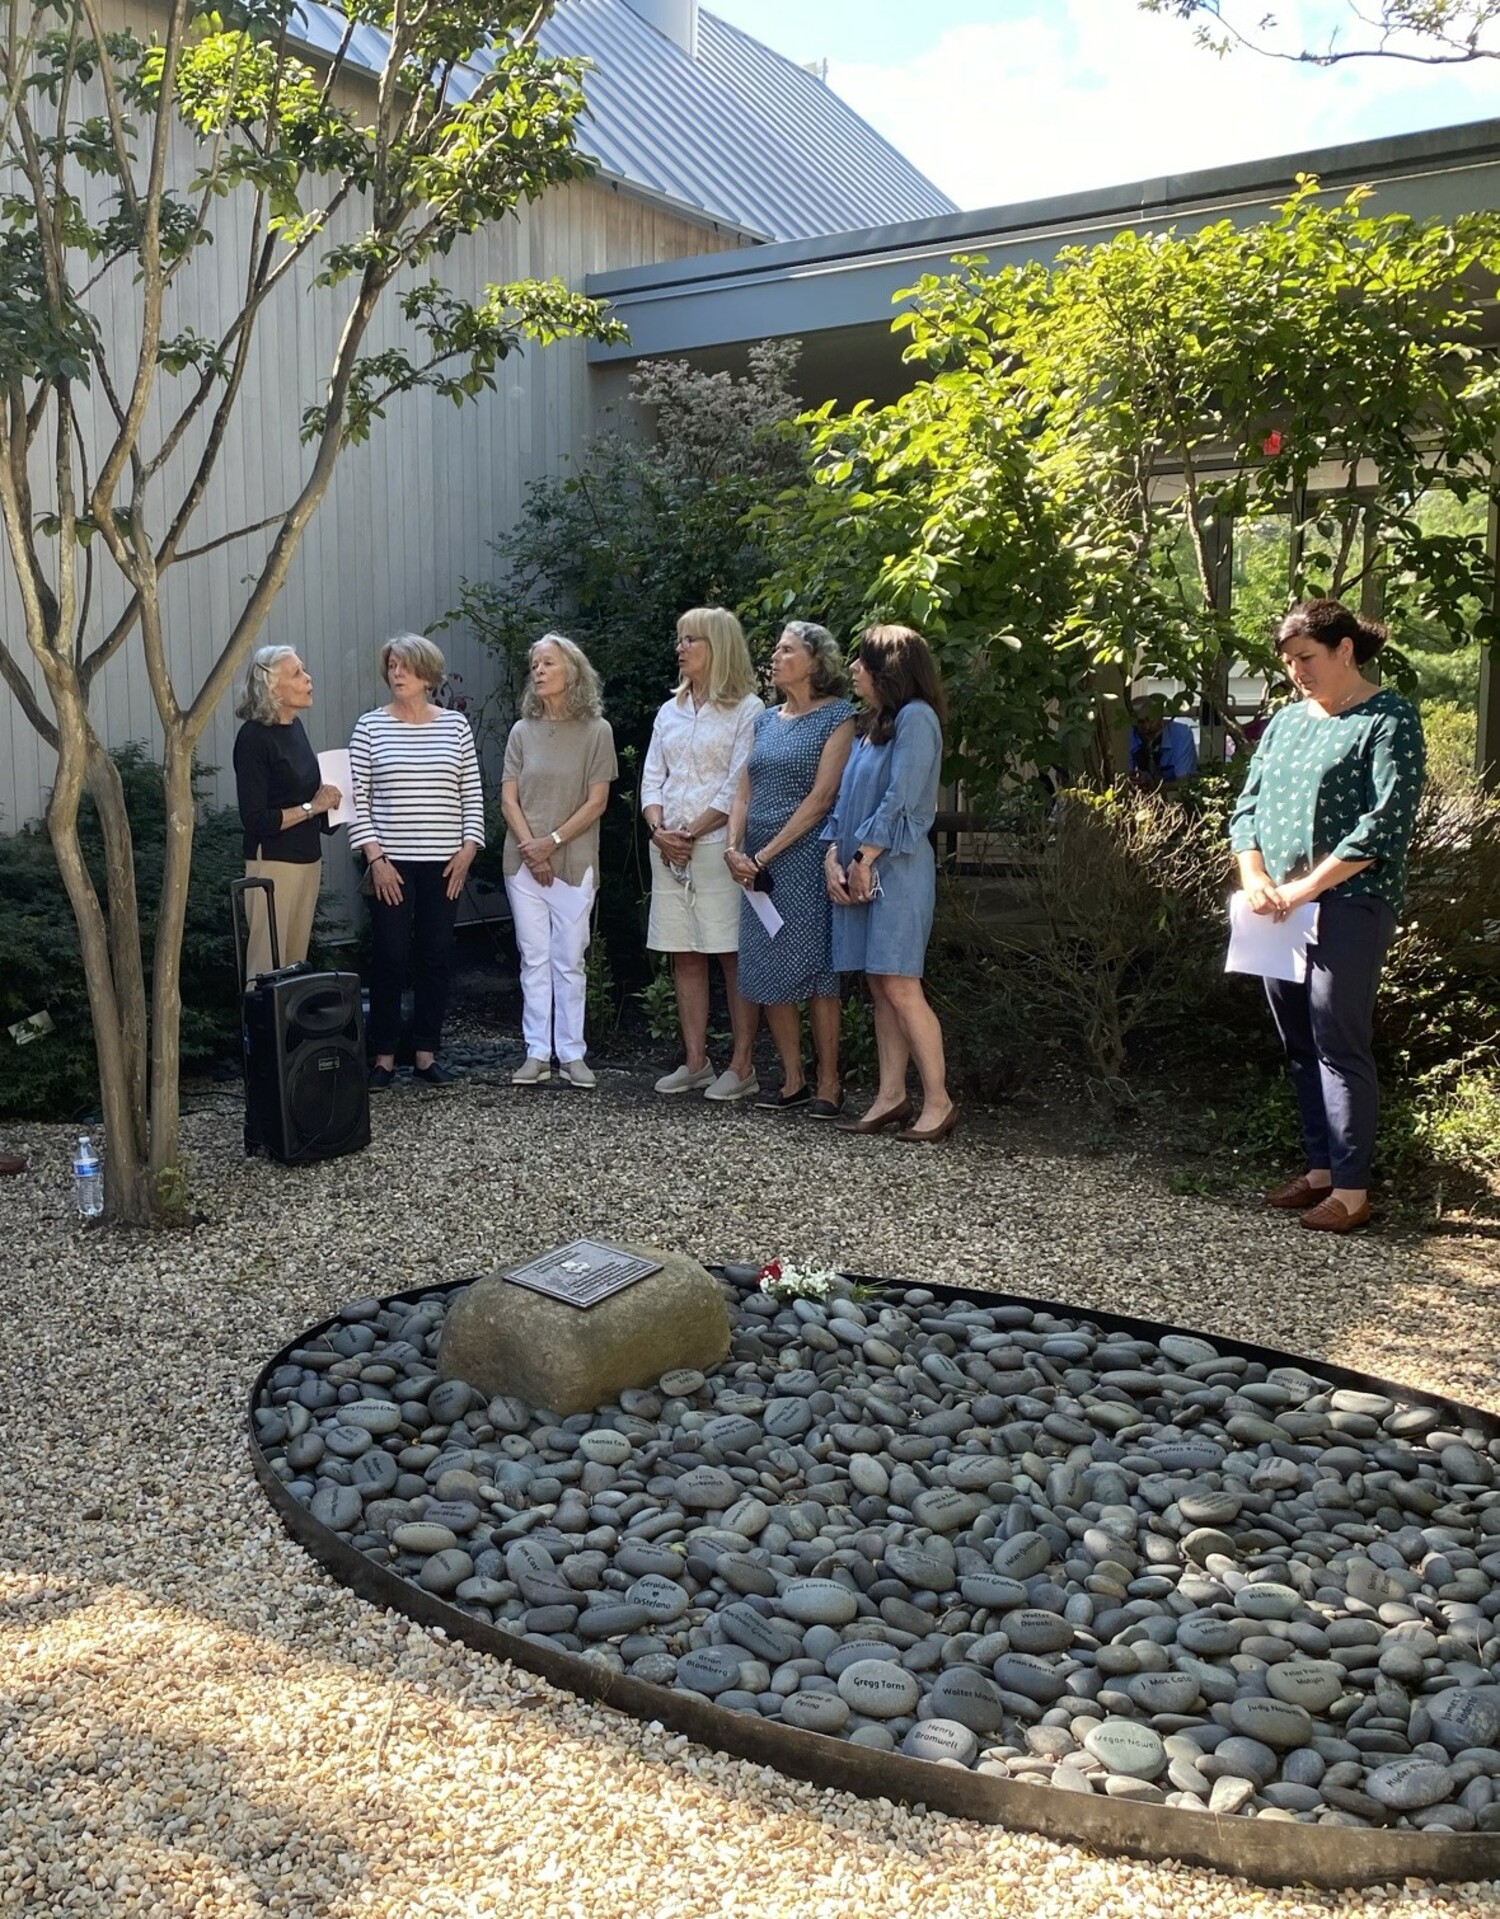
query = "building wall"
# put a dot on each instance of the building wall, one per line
(409, 515)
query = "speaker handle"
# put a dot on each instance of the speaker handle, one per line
(237, 889)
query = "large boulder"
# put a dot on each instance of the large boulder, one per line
(504, 1338)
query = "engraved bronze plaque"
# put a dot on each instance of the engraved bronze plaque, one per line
(582, 1274)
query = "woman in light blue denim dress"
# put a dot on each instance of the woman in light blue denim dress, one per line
(882, 874)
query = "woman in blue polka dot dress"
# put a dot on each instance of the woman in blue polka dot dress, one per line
(1327, 814)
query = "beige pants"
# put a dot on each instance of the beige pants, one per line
(296, 903)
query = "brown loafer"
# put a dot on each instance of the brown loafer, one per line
(901, 1115)
(1297, 1193)
(11, 1163)
(1332, 1216)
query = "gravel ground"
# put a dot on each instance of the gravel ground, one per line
(195, 1720)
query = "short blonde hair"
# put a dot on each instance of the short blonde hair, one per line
(258, 701)
(828, 662)
(584, 698)
(731, 675)
(423, 658)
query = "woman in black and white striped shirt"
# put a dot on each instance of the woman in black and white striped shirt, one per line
(419, 821)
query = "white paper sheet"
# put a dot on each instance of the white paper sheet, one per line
(764, 909)
(1270, 948)
(333, 768)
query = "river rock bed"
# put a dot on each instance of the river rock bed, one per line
(970, 1531)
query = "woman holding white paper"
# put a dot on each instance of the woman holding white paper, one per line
(559, 761)
(285, 804)
(1326, 816)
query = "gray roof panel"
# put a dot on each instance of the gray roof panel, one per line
(739, 135)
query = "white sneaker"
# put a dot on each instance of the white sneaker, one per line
(578, 1072)
(531, 1072)
(683, 1080)
(728, 1086)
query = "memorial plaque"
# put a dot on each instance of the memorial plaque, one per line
(583, 1273)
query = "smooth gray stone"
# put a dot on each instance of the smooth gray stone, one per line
(1158, 1692)
(824, 1712)
(879, 1690)
(612, 1622)
(1465, 1716)
(773, 1640)
(377, 1416)
(818, 1602)
(1407, 1785)
(968, 1697)
(1125, 1746)
(1031, 1677)
(1246, 1758)
(641, 1560)
(922, 1568)
(710, 1669)
(941, 1739)
(663, 1599)
(787, 1418)
(605, 1447)
(1023, 1556)
(1032, 1630)
(1272, 1722)
(419, 1537)
(705, 1489)
(445, 1572)
(1312, 1683)
(992, 1591)
(1231, 1793)
(1207, 1635)
(338, 1507)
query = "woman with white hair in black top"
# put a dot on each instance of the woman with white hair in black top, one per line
(284, 804)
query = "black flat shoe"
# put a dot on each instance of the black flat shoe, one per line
(784, 1102)
(437, 1074)
(381, 1077)
(826, 1108)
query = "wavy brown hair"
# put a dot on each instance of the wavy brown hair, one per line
(901, 669)
(1329, 622)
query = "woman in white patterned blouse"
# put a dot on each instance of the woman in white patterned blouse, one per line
(699, 745)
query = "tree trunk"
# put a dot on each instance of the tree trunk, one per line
(166, 972)
(126, 964)
(127, 1195)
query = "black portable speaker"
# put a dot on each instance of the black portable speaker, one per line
(307, 1092)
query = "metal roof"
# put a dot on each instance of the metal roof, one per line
(738, 135)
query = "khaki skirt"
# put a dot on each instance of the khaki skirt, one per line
(700, 915)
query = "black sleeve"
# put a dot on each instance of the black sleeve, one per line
(252, 774)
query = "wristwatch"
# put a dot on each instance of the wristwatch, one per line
(556, 838)
(307, 808)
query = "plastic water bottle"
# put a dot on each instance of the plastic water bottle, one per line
(88, 1180)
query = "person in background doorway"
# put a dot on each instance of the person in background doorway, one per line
(699, 744)
(559, 761)
(1163, 751)
(1326, 815)
(419, 821)
(284, 805)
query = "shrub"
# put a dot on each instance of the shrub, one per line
(41, 967)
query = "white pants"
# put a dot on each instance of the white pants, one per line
(552, 936)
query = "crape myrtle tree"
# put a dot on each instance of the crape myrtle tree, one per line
(1434, 33)
(1044, 502)
(130, 165)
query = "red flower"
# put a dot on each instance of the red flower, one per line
(771, 1269)
(1271, 444)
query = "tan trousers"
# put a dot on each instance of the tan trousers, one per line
(296, 903)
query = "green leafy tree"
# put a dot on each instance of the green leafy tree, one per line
(333, 185)
(1436, 33)
(1052, 500)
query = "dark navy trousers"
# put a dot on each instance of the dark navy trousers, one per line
(415, 936)
(1326, 1023)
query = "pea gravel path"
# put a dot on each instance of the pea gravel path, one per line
(194, 1720)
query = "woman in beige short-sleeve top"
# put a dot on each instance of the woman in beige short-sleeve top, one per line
(559, 761)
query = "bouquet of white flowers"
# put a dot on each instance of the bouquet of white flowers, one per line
(783, 1281)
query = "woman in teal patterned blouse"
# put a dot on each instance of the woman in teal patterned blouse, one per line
(1327, 814)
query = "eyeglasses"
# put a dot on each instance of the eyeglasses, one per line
(691, 639)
